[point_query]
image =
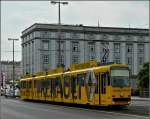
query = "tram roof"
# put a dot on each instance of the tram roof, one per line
(77, 71)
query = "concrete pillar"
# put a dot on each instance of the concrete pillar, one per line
(147, 52)
(67, 54)
(97, 51)
(53, 54)
(135, 59)
(123, 53)
(86, 54)
(111, 53)
(82, 51)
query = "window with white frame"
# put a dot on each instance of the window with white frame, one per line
(75, 59)
(91, 46)
(117, 60)
(117, 52)
(63, 35)
(61, 45)
(45, 45)
(91, 56)
(140, 60)
(45, 59)
(75, 46)
(60, 59)
(129, 48)
(140, 54)
(141, 48)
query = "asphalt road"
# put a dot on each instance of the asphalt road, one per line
(17, 109)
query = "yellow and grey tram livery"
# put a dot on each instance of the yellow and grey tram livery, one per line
(86, 83)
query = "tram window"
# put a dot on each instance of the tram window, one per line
(35, 83)
(29, 84)
(38, 84)
(66, 81)
(24, 84)
(43, 82)
(73, 84)
(103, 83)
(49, 82)
(57, 81)
(21, 84)
(80, 79)
(96, 88)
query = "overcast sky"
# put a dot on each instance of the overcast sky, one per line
(18, 15)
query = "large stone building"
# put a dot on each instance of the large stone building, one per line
(82, 43)
(7, 71)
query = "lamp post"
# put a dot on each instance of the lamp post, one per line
(59, 29)
(13, 66)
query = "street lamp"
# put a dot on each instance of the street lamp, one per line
(59, 29)
(13, 66)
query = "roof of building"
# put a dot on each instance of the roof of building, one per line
(82, 28)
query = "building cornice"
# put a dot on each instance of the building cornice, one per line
(84, 29)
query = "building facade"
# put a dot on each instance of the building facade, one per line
(7, 71)
(78, 44)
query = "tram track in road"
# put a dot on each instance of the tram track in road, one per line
(132, 110)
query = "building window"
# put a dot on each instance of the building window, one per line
(117, 53)
(63, 35)
(117, 47)
(117, 60)
(45, 59)
(141, 60)
(91, 46)
(141, 48)
(45, 45)
(140, 54)
(60, 59)
(75, 36)
(62, 46)
(75, 46)
(75, 59)
(91, 57)
(129, 48)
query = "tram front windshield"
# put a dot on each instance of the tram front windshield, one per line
(120, 77)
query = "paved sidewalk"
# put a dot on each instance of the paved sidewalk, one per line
(140, 98)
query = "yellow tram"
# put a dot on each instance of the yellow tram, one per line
(86, 83)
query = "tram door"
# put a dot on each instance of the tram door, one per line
(104, 82)
(97, 96)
